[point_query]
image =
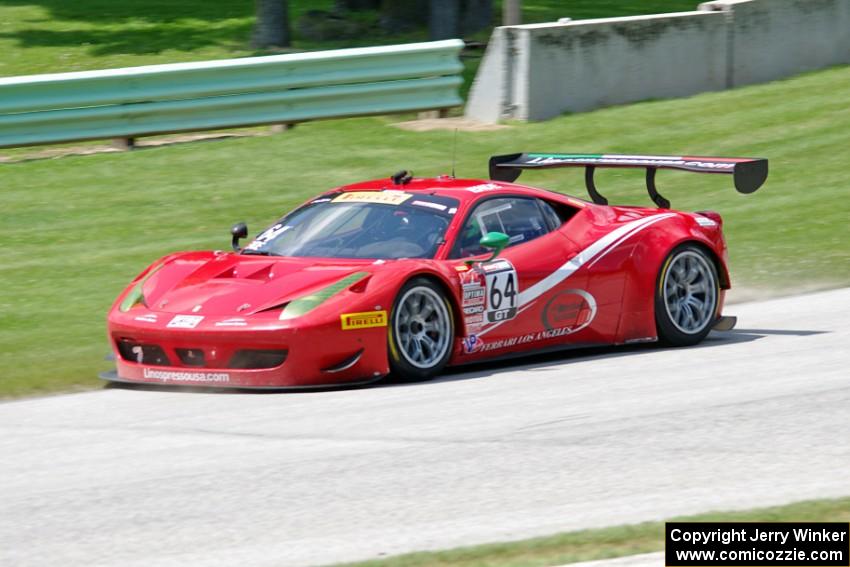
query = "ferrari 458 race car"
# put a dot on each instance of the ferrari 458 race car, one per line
(403, 276)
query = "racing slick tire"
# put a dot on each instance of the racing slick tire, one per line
(686, 296)
(421, 331)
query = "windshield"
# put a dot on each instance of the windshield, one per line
(380, 225)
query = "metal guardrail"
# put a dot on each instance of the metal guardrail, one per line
(157, 99)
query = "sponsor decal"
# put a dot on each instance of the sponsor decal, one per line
(566, 313)
(473, 296)
(471, 278)
(148, 318)
(484, 187)
(641, 340)
(185, 321)
(658, 161)
(489, 294)
(571, 310)
(474, 321)
(382, 197)
(501, 289)
(706, 222)
(496, 265)
(235, 322)
(267, 235)
(437, 206)
(473, 293)
(525, 339)
(472, 344)
(364, 320)
(179, 376)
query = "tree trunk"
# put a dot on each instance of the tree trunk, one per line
(271, 28)
(341, 6)
(511, 12)
(403, 15)
(444, 19)
(478, 15)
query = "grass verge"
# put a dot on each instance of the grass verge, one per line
(77, 229)
(605, 543)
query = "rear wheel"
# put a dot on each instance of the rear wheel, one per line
(421, 332)
(686, 296)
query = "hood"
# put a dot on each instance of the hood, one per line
(232, 284)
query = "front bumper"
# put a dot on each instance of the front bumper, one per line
(317, 353)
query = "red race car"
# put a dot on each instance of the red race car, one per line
(404, 276)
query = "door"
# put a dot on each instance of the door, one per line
(503, 310)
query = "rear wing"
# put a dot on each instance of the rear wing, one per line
(748, 173)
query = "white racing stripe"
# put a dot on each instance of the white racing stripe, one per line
(593, 253)
(610, 240)
(655, 219)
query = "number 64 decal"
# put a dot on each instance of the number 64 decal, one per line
(501, 282)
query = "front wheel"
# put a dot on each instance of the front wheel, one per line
(686, 296)
(421, 331)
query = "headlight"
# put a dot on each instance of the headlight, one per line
(303, 304)
(136, 295)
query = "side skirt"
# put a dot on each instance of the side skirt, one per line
(530, 353)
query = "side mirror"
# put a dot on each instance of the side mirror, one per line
(238, 231)
(496, 241)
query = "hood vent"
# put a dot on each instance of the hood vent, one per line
(263, 274)
(228, 273)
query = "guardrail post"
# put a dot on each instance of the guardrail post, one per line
(124, 143)
(430, 114)
(282, 127)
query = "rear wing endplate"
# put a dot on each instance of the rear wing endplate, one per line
(749, 173)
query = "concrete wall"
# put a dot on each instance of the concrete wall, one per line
(538, 71)
(488, 96)
(579, 66)
(772, 39)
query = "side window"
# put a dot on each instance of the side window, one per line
(522, 219)
(552, 218)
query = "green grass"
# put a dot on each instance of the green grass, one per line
(77, 229)
(604, 543)
(51, 36)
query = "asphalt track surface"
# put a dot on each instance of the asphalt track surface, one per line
(754, 417)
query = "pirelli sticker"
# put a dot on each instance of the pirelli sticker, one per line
(364, 320)
(382, 197)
